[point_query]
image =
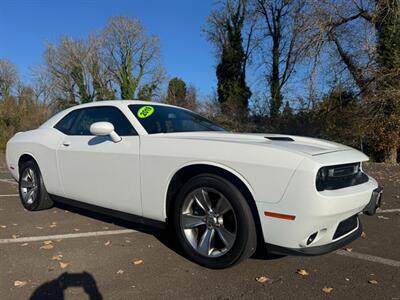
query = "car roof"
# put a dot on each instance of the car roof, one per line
(118, 103)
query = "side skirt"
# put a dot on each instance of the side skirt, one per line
(111, 212)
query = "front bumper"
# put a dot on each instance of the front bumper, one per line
(374, 202)
(346, 232)
(316, 250)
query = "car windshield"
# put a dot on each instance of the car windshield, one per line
(164, 119)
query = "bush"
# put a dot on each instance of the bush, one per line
(20, 114)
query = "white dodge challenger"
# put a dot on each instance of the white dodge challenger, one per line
(222, 193)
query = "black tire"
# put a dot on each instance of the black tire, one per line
(245, 241)
(41, 199)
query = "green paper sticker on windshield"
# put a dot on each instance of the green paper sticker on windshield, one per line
(145, 111)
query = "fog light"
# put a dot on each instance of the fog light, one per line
(311, 238)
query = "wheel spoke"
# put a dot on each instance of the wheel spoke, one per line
(26, 184)
(31, 175)
(222, 206)
(227, 237)
(190, 221)
(203, 200)
(31, 194)
(208, 222)
(204, 246)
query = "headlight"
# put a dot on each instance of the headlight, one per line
(339, 176)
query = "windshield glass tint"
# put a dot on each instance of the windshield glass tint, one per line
(164, 119)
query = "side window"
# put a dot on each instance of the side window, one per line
(90, 115)
(65, 124)
(87, 116)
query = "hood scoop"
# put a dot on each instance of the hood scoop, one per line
(280, 138)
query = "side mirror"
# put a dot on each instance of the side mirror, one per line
(105, 128)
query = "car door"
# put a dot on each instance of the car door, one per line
(96, 170)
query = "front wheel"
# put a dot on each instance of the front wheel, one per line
(213, 222)
(32, 191)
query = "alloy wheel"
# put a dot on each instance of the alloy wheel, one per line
(29, 186)
(208, 222)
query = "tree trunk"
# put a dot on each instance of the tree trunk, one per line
(390, 154)
(275, 84)
(388, 50)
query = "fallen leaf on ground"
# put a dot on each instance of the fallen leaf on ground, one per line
(24, 244)
(138, 262)
(39, 227)
(327, 290)
(47, 242)
(262, 279)
(108, 243)
(372, 281)
(14, 236)
(57, 257)
(63, 265)
(47, 247)
(363, 235)
(302, 272)
(348, 249)
(20, 283)
(120, 272)
(76, 229)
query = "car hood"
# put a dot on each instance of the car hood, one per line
(310, 146)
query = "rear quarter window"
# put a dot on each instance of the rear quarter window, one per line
(65, 124)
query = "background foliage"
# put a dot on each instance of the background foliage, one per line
(345, 56)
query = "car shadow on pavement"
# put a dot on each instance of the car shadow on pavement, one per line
(165, 236)
(55, 288)
(106, 218)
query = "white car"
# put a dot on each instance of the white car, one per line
(223, 193)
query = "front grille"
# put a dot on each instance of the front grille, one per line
(340, 176)
(346, 226)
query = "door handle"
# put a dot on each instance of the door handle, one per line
(66, 144)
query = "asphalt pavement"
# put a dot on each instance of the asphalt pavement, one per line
(75, 254)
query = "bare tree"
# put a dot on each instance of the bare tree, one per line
(217, 29)
(41, 84)
(281, 29)
(8, 77)
(363, 36)
(192, 101)
(102, 81)
(347, 27)
(132, 57)
(65, 64)
(77, 71)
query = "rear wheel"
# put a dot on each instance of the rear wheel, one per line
(213, 222)
(32, 191)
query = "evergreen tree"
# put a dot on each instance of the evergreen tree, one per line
(176, 94)
(387, 106)
(233, 93)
